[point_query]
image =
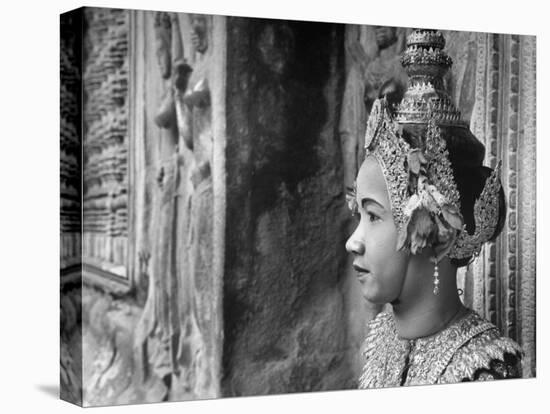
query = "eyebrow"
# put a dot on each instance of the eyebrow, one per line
(368, 200)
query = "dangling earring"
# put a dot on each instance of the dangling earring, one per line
(436, 278)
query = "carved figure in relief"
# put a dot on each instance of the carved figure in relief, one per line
(160, 325)
(374, 71)
(158, 313)
(384, 75)
(177, 322)
(193, 102)
(175, 74)
(426, 205)
(202, 209)
(195, 217)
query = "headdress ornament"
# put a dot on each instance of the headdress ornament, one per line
(424, 197)
(426, 63)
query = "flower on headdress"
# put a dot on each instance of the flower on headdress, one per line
(430, 197)
(435, 195)
(416, 161)
(413, 203)
(429, 216)
(421, 228)
(417, 231)
(452, 216)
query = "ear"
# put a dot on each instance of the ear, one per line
(442, 248)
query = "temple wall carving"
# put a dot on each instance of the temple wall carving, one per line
(500, 284)
(526, 184)
(154, 179)
(105, 164)
(179, 216)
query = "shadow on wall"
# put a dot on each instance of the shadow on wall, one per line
(284, 317)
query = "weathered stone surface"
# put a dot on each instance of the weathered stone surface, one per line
(111, 373)
(284, 319)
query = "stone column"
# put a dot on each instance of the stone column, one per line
(501, 282)
(283, 304)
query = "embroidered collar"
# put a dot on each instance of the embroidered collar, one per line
(389, 359)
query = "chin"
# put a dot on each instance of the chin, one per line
(375, 301)
(373, 296)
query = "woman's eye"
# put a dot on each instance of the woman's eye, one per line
(373, 217)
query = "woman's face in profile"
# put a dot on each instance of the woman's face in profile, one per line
(380, 268)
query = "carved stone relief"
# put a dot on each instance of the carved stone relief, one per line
(105, 186)
(526, 177)
(373, 68)
(176, 328)
(501, 282)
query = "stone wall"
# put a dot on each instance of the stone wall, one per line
(284, 287)
(154, 335)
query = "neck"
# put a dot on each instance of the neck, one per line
(424, 314)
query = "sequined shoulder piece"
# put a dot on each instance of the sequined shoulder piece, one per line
(380, 353)
(378, 330)
(439, 349)
(486, 356)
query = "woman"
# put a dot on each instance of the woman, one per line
(426, 205)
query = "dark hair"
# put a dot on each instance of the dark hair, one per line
(466, 154)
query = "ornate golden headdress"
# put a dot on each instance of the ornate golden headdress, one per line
(426, 63)
(424, 197)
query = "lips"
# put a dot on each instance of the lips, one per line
(362, 273)
(360, 269)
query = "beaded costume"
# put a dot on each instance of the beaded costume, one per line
(470, 349)
(420, 181)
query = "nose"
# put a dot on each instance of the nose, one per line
(355, 246)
